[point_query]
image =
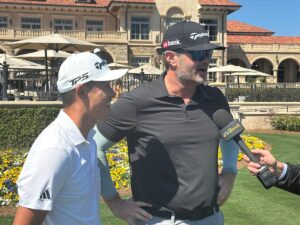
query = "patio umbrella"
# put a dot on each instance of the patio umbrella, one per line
(232, 69)
(51, 54)
(117, 66)
(56, 42)
(146, 69)
(229, 69)
(250, 73)
(9, 62)
(19, 64)
(253, 73)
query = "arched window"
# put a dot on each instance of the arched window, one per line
(105, 56)
(174, 15)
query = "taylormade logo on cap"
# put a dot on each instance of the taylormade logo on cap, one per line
(186, 35)
(194, 36)
(83, 67)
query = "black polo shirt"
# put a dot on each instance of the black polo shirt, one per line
(172, 146)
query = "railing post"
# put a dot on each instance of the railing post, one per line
(226, 91)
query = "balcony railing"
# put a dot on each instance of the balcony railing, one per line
(15, 34)
(282, 47)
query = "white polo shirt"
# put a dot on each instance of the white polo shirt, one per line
(61, 175)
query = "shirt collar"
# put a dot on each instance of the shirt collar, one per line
(160, 90)
(70, 129)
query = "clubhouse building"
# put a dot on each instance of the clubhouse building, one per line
(130, 30)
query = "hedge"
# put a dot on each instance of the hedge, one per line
(286, 122)
(19, 127)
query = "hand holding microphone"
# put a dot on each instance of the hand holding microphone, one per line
(231, 129)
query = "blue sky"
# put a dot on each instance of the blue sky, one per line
(281, 17)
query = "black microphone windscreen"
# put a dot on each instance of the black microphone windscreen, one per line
(222, 118)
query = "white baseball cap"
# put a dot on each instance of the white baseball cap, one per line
(83, 67)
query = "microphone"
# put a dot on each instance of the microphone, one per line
(231, 129)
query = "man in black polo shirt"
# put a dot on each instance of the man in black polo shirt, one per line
(172, 140)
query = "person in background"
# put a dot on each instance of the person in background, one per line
(172, 140)
(288, 174)
(60, 180)
(118, 88)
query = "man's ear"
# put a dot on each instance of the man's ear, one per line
(170, 58)
(80, 91)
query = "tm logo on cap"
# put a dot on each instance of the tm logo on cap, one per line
(99, 65)
(166, 44)
(194, 36)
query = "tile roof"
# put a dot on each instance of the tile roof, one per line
(95, 3)
(136, 1)
(240, 27)
(218, 3)
(244, 39)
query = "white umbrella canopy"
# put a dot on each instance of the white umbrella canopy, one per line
(250, 73)
(41, 55)
(55, 42)
(19, 64)
(118, 66)
(9, 62)
(229, 69)
(147, 69)
(232, 70)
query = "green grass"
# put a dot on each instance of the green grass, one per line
(107, 218)
(250, 203)
(6, 220)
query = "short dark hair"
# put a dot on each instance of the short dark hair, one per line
(164, 61)
(68, 97)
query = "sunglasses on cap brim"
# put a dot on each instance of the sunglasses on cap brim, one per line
(197, 55)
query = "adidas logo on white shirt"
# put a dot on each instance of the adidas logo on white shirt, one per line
(45, 195)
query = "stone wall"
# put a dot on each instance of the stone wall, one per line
(118, 52)
(254, 116)
(257, 115)
(260, 121)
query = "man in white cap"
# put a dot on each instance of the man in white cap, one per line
(60, 180)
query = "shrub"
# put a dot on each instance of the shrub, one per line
(19, 127)
(286, 122)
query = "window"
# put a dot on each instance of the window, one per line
(212, 28)
(174, 15)
(140, 28)
(94, 25)
(172, 21)
(63, 24)
(139, 61)
(212, 75)
(31, 23)
(3, 22)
